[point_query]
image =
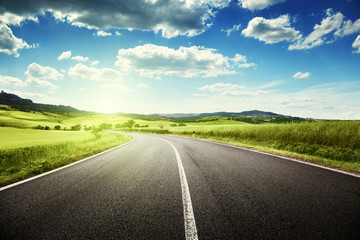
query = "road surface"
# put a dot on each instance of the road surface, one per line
(135, 192)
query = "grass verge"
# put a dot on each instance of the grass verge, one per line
(333, 144)
(22, 162)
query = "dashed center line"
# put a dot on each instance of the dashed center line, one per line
(189, 219)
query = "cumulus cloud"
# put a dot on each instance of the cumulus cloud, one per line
(348, 28)
(40, 83)
(170, 17)
(102, 34)
(271, 30)
(301, 75)
(9, 43)
(230, 30)
(153, 61)
(356, 44)
(11, 81)
(317, 37)
(242, 62)
(81, 71)
(35, 71)
(258, 4)
(80, 58)
(64, 55)
(39, 76)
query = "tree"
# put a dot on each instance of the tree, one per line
(76, 127)
(57, 127)
(130, 123)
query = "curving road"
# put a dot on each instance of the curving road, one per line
(135, 192)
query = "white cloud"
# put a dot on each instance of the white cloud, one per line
(35, 71)
(64, 55)
(271, 30)
(152, 61)
(102, 34)
(40, 83)
(118, 33)
(301, 75)
(356, 44)
(171, 17)
(94, 63)
(231, 90)
(221, 87)
(9, 43)
(258, 4)
(9, 18)
(317, 37)
(80, 58)
(115, 87)
(348, 28)
(11, 81)
(233, 29)
(38, 76)
(242, 62)
(142, 85)
(81, 71)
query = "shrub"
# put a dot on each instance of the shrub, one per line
(76, 127)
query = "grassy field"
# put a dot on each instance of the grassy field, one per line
(331, 143)
(24, 153)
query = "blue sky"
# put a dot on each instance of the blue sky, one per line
(293, 57)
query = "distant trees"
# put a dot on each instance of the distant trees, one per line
(76, 127)
(39, 127)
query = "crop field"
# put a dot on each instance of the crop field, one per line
(15, 137)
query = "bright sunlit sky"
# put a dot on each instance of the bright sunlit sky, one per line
(293, 57)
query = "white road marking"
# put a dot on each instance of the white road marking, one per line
(189, 219)
(61, 168)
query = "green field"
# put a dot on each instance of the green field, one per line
(25, 151)
(331, 143)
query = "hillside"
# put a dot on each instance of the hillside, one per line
(26, 105)
(254, 116)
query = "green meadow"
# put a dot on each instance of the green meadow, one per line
(34, 142)
(27, 152)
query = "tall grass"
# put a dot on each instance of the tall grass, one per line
(329, 140)
(21, 162)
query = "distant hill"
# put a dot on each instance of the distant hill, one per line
(18, 103)
(254, 116)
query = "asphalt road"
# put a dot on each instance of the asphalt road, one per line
(135, 192)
